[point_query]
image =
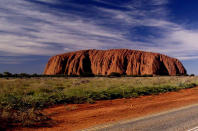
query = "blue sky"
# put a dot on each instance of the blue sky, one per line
(33, 30)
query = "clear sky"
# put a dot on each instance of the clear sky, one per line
(33, 30)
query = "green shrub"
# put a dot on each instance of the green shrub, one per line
(87, 74)
(7, 74)
(147, 76)
(114, 74)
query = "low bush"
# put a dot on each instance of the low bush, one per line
(114, 74)
(192, 74)
(87, 74)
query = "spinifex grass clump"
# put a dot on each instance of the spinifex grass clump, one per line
(22, 117)
(18, 110)
(22, 100)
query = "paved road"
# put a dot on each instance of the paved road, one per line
(182, 119)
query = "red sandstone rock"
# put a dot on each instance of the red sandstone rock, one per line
(104, 62)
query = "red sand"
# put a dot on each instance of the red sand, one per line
(79, 116)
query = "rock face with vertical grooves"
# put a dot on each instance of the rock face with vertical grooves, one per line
(104, 62)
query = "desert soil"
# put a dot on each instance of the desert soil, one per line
(79, 116)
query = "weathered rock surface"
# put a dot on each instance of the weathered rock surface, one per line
(123, 61)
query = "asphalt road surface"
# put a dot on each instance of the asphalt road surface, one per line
(183, 119)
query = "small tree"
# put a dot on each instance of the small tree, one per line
(87, 74)
(7, 74)
(192, 74)
(35, 75)
(114, 74)
(24, 75)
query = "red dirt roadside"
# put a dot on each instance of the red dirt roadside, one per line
(79, 116)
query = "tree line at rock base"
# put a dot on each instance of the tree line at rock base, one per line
(113, 74)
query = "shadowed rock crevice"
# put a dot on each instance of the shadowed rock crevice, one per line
(177, 70)
(64, 63)
(104, 62)
(86, 63)
(125, 65)
(162, 69)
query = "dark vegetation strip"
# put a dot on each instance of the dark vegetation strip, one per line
(113, 74)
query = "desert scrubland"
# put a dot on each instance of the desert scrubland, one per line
(22, 101)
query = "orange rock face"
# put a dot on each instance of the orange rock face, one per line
(104, 62)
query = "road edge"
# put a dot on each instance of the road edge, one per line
(103, 126)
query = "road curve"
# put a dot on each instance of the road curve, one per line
(182, 119)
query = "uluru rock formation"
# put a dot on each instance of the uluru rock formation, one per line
(104, 62)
